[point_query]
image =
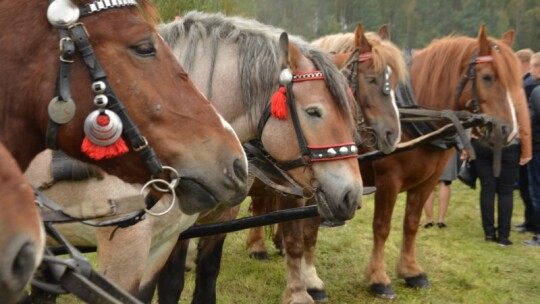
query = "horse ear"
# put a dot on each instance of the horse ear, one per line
(342, 60)
(289, 52)
(384, 32)
(360, 40)
(508, 38)
(485, 48)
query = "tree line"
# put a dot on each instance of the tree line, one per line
(412, 23)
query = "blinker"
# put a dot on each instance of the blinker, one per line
(386, 81)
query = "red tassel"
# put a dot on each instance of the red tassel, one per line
(98, 152)
(279, 103)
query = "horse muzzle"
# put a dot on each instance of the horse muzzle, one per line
(340, 210)
(17, 265)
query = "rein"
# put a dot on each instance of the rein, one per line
(309, 153)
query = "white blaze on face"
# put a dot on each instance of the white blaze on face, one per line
(395, 107)
(515, 127)
(229, 128)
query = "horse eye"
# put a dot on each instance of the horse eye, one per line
(371, 80)
(314, 112)
(487, 78)
(146, 49)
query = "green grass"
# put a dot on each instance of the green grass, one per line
(461, 266)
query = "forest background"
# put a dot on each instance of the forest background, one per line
(413, 23)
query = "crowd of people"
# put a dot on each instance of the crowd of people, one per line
(496, 192)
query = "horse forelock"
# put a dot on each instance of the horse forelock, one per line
(258, 55)
(385, 53)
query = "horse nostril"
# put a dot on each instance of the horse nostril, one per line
(16, 271)
(240, 171)
(350, 204)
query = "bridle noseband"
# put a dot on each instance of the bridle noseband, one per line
(73, 36)
(309, 153)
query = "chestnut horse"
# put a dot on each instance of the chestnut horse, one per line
(436, 72)
(375, 53)
(22, 237)
(163, 115)
(323, 110)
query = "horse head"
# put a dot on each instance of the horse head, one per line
(312, 106)
(479, 74)
(374, 67)
(120, 64)
(22, 239)
(497, 79)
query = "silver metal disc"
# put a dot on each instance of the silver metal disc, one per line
(62, 13)
(61, 112)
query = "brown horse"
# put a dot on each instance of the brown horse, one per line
(22, 237)
(374, 52)
(436, 72)
(107, 55)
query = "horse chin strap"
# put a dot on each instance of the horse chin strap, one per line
(64, 15)
(310, 154)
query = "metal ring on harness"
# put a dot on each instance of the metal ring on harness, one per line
(152, 182)
(312, 191)
(174, 182)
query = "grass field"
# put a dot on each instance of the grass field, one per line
(461, 266)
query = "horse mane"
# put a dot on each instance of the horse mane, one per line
(439, 66)
(258, 55)
(384, 51)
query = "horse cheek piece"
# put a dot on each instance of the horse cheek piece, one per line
(103, 128)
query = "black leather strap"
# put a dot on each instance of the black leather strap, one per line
(130, 130)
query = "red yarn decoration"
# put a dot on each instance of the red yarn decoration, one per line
(103, 120)
(98, 152)
(279, 103)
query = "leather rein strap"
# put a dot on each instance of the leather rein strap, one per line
(76, 34)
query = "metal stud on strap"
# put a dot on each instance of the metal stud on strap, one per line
(106, 4)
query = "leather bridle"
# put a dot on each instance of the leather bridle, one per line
(73, 36)
(309, 153)
(353, 79)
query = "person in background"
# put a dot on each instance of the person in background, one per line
(449, 175)
(533, 93)
(500, 188)
(524, 56)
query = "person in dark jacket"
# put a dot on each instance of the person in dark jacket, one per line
(524, 56)
(533, 92)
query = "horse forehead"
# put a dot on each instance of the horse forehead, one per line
(304, 64)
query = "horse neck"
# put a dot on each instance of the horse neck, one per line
(218, 79)
(30, 62)
(434, 90)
